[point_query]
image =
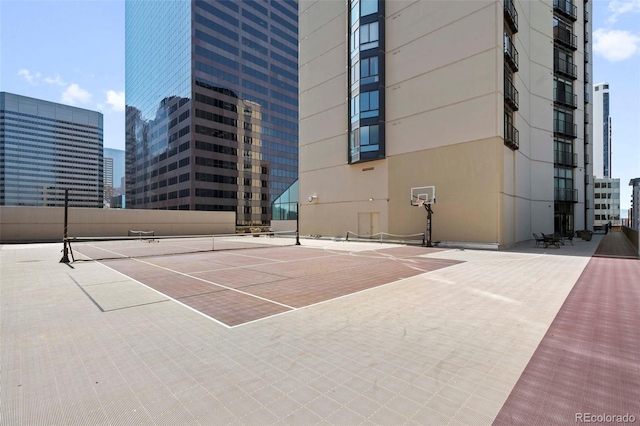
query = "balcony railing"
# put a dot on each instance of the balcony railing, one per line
(565, 98)
(564, 68)
(565, 38)
(587, 97)
(566, 8)
(511, 54)
(586, 56)
(586, 118)
(511, 96)
(511, 136)
(586, 36)
(564, 158)
(511, 15)
(586, 77)
(586, 159)
(565, 128)
(566, 195)
(586, 179)
(586, 14)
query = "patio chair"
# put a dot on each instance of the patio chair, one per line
(539, 240)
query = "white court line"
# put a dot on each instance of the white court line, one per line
(169, 297)
(216, 284)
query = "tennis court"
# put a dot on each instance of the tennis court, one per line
(247, 279)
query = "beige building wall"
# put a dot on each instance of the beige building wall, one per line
(38, 224)
(444, 124)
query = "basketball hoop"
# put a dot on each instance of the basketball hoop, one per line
(420, 203)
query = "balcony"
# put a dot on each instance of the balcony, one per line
(586, 56)
(586, 118)
(511, 54)
(586, 159)
(564, 68)
(586, 14)
(565, 38)
(566, 9)
(511, 96)
(586, 77)
(511, 136)
(587, 97)
(563, 158)
(586, 179)
(565, 98)
(566, 195)
(511, 15)
(586, 36)
(565, 128)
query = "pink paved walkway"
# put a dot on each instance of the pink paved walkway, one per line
(588, 362)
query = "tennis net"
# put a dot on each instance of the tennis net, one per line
(103, 248)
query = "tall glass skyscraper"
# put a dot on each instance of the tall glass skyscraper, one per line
(601, 131)
(46, 148)
(212, 105)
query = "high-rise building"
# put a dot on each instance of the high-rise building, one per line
(45, 148)
(634, 211)
(606, 202)
(212, 105)
(601, 131)
(486, 101)
(108, 180)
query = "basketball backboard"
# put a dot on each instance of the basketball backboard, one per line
(421, 195)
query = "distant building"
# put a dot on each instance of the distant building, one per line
(634, 211)
(49, 147)
(113, 175)
(606, 202)
(211, 105)
(601, 131)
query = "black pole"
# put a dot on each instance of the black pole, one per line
(65, 248)
(428, 235)
(298, 224)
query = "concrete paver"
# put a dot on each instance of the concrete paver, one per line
(443, 346)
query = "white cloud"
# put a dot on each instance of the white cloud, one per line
(57, 80)
(74, 94)
(615, 45)
(622, 7)
(31, 78)
(116, 100)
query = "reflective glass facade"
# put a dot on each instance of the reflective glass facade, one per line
(366, 80)
(285, 207)
(212, 105)
(46, 148)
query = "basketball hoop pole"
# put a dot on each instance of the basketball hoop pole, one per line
(65, 249)
(427, 207)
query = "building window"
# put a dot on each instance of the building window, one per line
(369, 36)
(369, 70)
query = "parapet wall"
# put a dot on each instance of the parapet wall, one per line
(45, 224)
(632, 235)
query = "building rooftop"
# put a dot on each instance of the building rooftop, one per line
(528, 335)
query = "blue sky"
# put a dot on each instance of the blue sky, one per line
(73, 52)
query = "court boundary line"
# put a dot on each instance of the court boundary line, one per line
(168, 297)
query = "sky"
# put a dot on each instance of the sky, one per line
(72, 52)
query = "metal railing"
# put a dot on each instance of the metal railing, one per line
(565, 98)
(565, 68)
(565, 38)
(511, 136)
(564, 158)
(511, 95)
(565, 128)
(566, 8)
(511, 15)
(566, 194)
(511, 54)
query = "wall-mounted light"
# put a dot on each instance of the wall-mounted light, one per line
(370, 199)
(312, 198)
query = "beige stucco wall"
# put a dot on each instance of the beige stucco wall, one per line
(32, 224)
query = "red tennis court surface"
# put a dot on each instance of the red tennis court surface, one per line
(236, 287)
(588, 360)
